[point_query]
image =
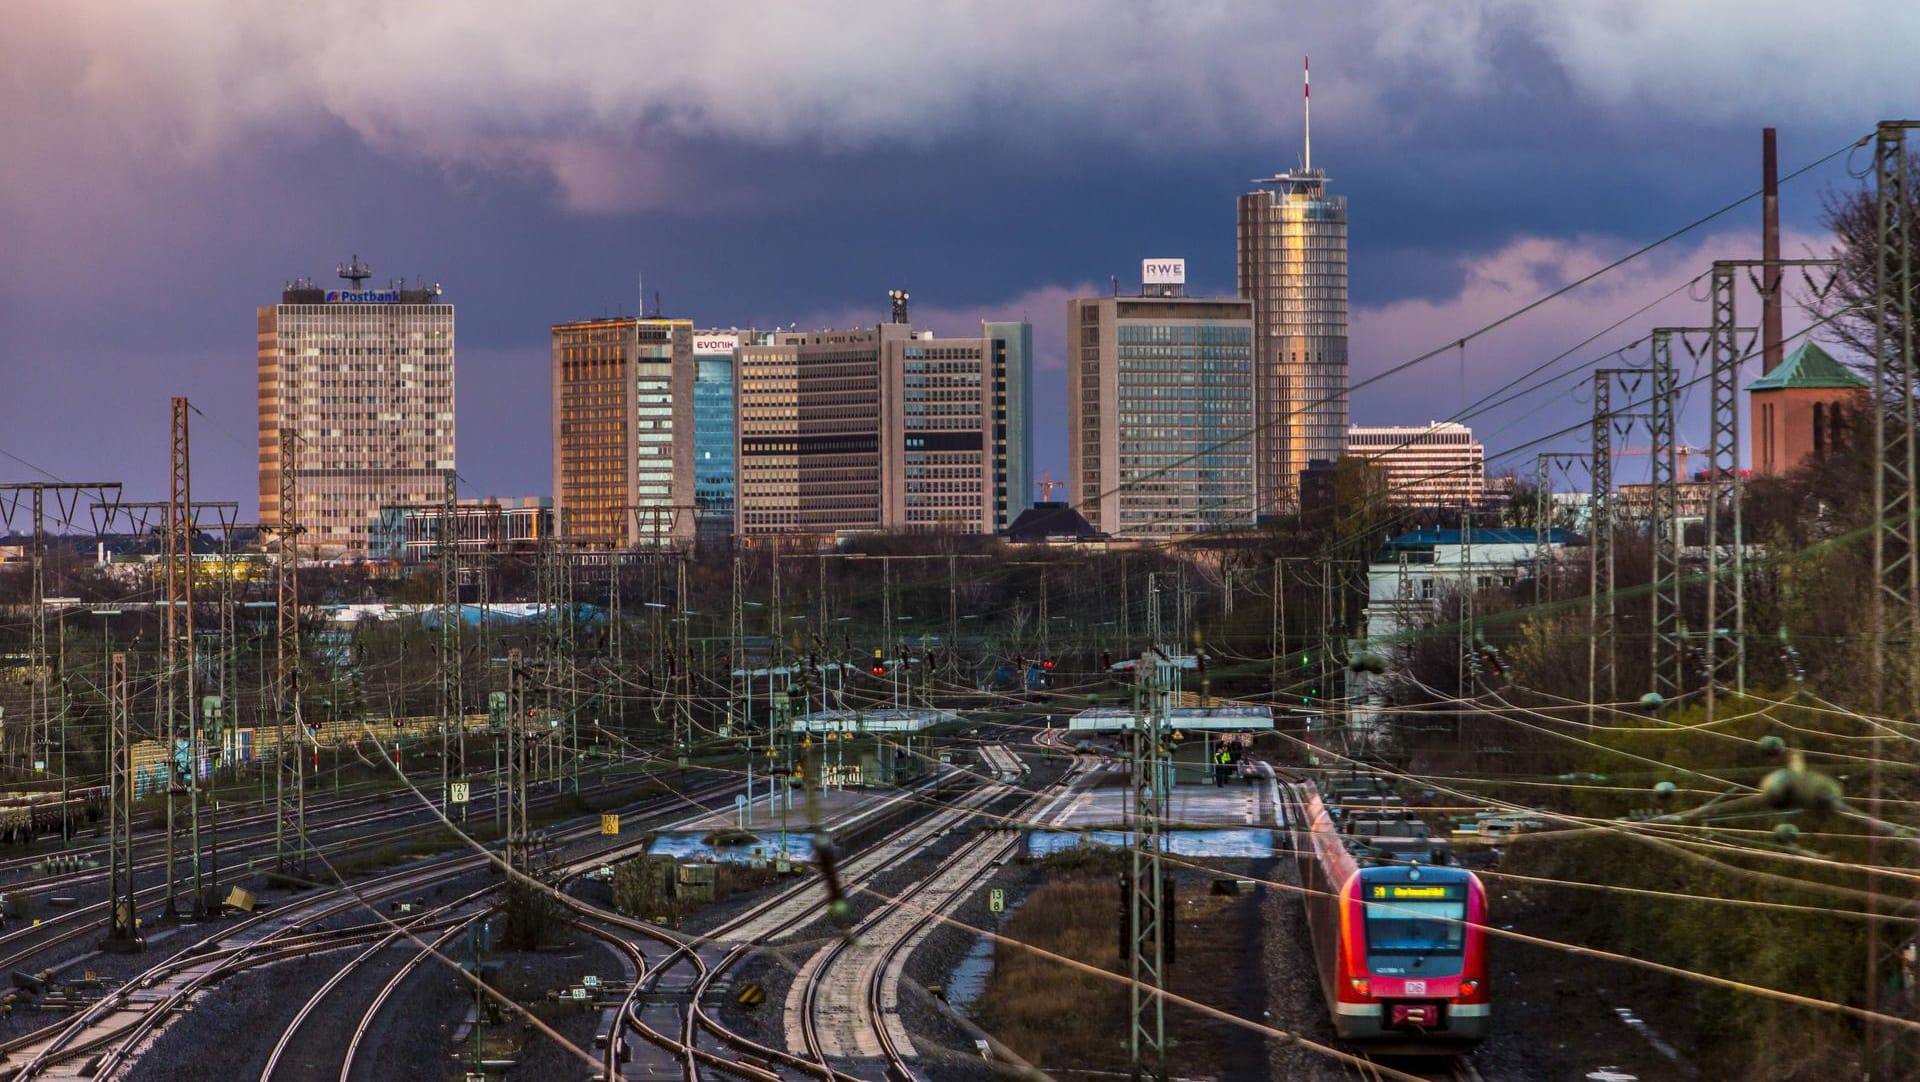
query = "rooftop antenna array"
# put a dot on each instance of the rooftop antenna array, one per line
(355, 271)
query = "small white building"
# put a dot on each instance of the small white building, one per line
(1413, 573)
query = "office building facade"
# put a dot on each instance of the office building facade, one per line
(1292, 241)
(1014, 368)
(882, 428)
(1160, 411)
(1436, 465)
(955, 435)
(623, 428)
(807, 440)
(363, 379)
(713, 430)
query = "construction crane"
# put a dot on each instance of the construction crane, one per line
(1683, 455)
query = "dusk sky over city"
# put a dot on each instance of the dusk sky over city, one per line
(166, 168)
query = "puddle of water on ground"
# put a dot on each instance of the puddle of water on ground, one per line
(1646, 1033)
(799, 847)
(968, 980)
(1238, 842)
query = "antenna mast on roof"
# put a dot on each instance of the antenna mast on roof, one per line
(1306, 107)
(355, 272)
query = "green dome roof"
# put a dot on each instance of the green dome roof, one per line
(1809, 368)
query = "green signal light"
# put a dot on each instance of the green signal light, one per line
(1303, 660)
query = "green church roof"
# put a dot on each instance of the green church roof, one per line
(1809, 368)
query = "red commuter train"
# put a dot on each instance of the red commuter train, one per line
(1400, 946)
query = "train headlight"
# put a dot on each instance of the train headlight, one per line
(1469, 988)
(1361, 986)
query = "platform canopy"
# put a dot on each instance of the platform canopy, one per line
(1220, 719)
(872, 721)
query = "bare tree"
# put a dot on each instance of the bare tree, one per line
(1854, 219)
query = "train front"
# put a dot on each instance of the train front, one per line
(1413, 959)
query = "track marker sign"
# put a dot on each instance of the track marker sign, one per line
(750, 995)
(458, 792)
(610, 824)
(996, 900)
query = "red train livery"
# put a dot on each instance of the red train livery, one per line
(1400, 947)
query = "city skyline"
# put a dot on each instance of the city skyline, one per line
(1468, 200)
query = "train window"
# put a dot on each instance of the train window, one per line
(1409, 927)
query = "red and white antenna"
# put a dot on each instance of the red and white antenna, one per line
(1306, 104)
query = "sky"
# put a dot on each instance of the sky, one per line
(166, 168)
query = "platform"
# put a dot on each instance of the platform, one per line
(1235, 804)
(835, 808)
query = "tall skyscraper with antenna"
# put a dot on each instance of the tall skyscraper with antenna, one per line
(363, 379)
(1292, 239)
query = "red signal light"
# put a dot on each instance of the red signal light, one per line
(1047, 664)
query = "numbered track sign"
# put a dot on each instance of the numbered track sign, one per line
(610, 824)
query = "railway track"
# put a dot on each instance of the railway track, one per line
(98, 1041)
(664, 1006)
(300, 1045)
(121, 1021)
(358, 1040)
(303, 1044)
(25, 943)
(247, 832)
(845, 1003)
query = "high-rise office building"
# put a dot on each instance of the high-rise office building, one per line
(955, 436)
(1015, 341)
(364, 379)
(1439, 465)
(713, 480)
(882, 428)
(1159, 391)
(1292, 239)
(623, 427)
(807, 441)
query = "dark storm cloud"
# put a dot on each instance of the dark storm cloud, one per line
(164, 171)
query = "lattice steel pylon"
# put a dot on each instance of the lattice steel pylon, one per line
(1895, 612)
(1602, 603)
(553, 661)
(518, 835)
(1544, 465)
(1664, 527)
(1146, 916)
(182, 779)
(123, 930)
(1600, 541)
(1726, 605)
(452, 706)
(1465, 655)
(1542, 501)
(291, 852)
(66, 495)
(1727, 602)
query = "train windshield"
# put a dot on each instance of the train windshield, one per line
(1416, 927)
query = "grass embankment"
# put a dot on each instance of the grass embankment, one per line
(1058, 1016)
